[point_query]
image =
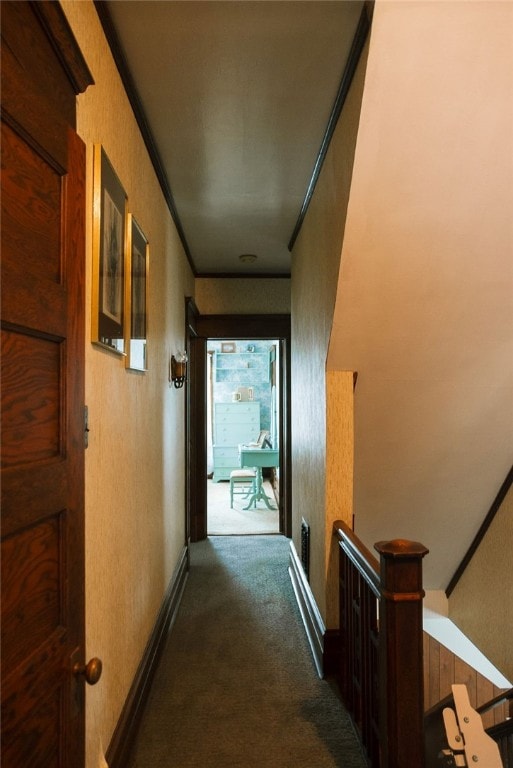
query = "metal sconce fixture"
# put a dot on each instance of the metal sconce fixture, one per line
(179, 369)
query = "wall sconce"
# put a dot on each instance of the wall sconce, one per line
(179, 369)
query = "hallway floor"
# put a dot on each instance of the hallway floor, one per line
(237, 686)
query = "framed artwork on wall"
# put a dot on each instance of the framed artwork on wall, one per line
(228, 346)
(109, 256)
(137, 297)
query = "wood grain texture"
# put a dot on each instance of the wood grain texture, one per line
(59, 32)
(38, 747)
(442, 669)
(381, 670)
(31, 192)
(30, 574)
(31, 380)
(43, 206)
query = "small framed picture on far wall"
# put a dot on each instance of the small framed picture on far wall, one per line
(137, 297)
(228, 346)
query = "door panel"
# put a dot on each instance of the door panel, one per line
(31, 224)
(42, 559)
(31, 424)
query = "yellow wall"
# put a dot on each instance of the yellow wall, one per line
(315, 265)
(339, 477)
(135, 529)
(482, 602)
(242, 296)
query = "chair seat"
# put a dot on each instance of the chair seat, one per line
(242, 474)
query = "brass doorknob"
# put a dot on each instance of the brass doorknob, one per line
(92, 671)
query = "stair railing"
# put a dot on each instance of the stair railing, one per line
(381, 665)
(502, 732)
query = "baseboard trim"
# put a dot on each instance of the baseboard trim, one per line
(126, 729)
(332, 654)
(312, 619)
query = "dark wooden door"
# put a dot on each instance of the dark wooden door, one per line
(42, 401)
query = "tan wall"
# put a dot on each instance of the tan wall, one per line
(482, 602)
(239, 296)
(315, 265)
(135, 528)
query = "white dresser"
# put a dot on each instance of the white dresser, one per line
(234, 423)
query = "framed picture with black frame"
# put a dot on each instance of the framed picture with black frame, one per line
(137, 297)
(109, 256)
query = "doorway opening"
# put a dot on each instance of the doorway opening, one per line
(243, 431)
(198, 330)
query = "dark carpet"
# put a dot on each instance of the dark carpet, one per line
(237, 685)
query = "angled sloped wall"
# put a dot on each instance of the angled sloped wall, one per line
(424, 308)
(482, 601)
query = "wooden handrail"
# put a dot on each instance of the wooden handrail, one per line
(362, 558)
(381, 669)
(504, 696)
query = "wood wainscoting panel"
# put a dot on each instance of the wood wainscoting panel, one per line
(442, 668)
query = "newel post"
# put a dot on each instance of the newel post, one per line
(401, 714)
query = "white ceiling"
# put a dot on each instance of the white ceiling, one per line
(237, 97)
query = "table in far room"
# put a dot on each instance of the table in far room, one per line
(258, 458)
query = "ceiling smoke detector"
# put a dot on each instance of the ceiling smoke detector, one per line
(247, 258)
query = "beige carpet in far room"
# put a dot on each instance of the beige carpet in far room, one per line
(223, 521)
